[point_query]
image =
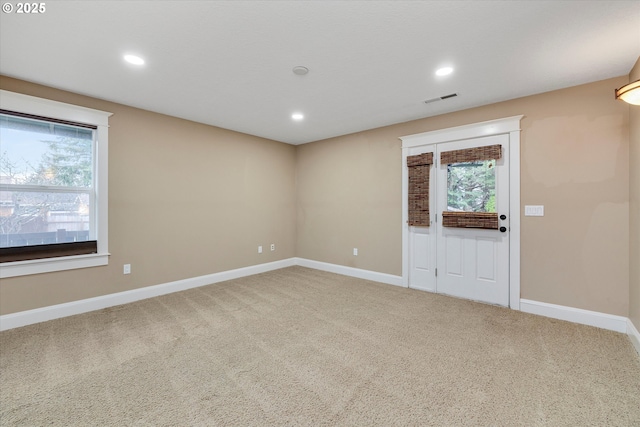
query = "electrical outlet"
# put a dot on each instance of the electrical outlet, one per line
(273, 246)
(126, 269)
(259, 249)
(355, 251)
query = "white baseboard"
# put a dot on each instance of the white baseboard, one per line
(389, 279)
(634, 335)
(575, 315)
(28, 317)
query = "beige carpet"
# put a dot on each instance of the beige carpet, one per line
(304, 347)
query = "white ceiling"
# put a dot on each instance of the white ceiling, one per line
(372, 63)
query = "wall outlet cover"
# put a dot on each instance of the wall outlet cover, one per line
(533, 210)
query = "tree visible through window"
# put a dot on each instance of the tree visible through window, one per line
(471, 186)
(47, 182)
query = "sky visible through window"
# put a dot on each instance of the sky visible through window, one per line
(22, 149)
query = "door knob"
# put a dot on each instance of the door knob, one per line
(503, 229)
(503, 217)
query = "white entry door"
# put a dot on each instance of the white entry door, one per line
(473, 262)
(468, 262)
(422, 239)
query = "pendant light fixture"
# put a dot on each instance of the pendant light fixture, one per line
(630, 93)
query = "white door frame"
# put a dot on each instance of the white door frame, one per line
(508, 125)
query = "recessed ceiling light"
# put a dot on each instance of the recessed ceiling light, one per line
(133, 59)
(444, 71)
(297, 116)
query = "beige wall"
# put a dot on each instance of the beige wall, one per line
(349, 196)
(188, 199)
(575, 151)
(185, 200)
(634, 210)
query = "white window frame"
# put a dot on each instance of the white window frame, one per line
(58, 110)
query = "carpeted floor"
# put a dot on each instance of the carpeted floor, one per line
(304, 347)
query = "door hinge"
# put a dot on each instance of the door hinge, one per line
(436, 272)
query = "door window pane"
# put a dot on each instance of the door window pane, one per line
(471, 186)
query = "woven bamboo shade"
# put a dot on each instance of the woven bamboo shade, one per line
(420, 160)
(488, 152)
(470, 220)
(419, 166)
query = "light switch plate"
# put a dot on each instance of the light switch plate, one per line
(533, 210)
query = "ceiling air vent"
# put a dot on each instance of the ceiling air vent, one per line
(440, 98)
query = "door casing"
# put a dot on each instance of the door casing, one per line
(509, 126)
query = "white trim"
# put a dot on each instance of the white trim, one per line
(474, 130)
(514, 217)
(508, 125)
(47, 265)
(405, 217)
(28, 317)
(389, 279)
(575, 315)
(102, 188)
(47, 108)
(634, 335)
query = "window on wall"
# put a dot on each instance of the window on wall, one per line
(471, 186)
(53, 192)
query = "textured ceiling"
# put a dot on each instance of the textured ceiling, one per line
(229, 64)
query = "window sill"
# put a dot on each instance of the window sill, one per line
(48, 265)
